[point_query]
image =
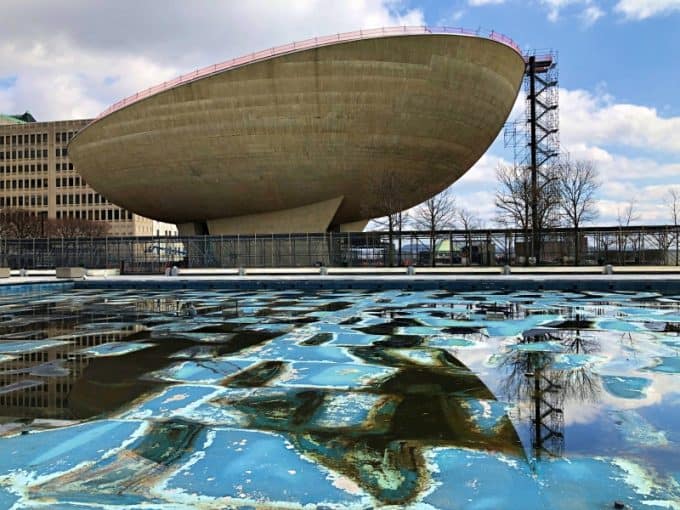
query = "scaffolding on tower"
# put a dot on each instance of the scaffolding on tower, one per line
(535, 139)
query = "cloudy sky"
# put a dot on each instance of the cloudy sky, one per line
(619, 64)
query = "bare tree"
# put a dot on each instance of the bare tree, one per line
(624, 217)
(577, 185)
(73, 227)
(389, 196)
(436, 213)
(468, 221)
(673, 202)
(20, 224)
(514, 198)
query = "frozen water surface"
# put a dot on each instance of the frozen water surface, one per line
(339, 399)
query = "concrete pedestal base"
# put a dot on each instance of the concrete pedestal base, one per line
(70, 272)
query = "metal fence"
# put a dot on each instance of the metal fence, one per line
(649, 245)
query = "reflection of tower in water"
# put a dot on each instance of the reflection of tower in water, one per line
(542, 386)
(547, 420)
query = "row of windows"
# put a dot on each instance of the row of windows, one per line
(24, 201)
(24, 184)
(97, 215)
(64, 182)
(64, 166)
(40, 167)
(24, 154)
(32, 402)
(64, 136)
(24, 139)
(84, 198)
(61, 152)
(35, 356)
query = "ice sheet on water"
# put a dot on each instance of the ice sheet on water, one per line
(262, 470)
(485, 480)
(637, 431)
(358, 411)
(548, 346)
(20, 385)
(354, 338)
(666, 365)
(182, 326)
(334, 375)
(288, 350)
(617, 325)
(194, 336)
(514, 327)
(446, 342)
(59, 450)
(569, 361)
(486, 415)
(111, 326)
(208, 371)
(115, 348)
(172, 401)
(197, 352)
(29, 346)
(419, 330)
(626, 386)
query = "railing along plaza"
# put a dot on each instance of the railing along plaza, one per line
(648, 245)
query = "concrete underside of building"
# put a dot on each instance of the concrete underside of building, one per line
(298, 142)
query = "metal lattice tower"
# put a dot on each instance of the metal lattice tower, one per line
(535, 140)
(547, 402)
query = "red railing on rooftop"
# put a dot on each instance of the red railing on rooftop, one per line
(314, 42)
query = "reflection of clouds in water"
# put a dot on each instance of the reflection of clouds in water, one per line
(421, 399)
(581, 413)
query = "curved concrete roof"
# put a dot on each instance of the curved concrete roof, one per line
(290, 141)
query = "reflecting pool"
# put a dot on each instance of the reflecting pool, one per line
(339, 399)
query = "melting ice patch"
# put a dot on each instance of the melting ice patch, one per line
(261, 470)
(666, 364)
(625, 386)
(636, 430)
(29, 346)
(195, 371)
(115, 348)
(335, 375)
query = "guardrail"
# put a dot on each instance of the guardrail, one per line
(314, 42)
(597, 246)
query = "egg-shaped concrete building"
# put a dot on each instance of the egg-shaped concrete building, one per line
(291, 139)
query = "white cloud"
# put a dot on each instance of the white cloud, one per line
(74, 60)
(590, 14)
(642, 9)
(477, 3)
(587, 119)
(593, 126)
(555, 6)
(596, 128)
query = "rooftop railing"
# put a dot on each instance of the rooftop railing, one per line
(314, 42)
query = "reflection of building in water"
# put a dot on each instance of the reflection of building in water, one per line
(419, 406)
(37, 384)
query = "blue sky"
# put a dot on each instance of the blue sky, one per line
(619, 64)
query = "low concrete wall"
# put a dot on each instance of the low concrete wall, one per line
(70, 272)
(103, 272)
